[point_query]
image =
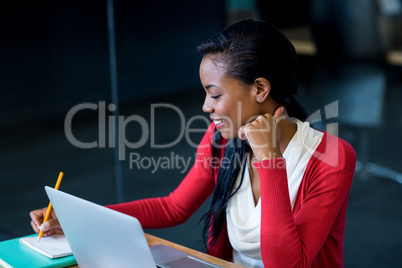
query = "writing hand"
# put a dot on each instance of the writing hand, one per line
(50, 227)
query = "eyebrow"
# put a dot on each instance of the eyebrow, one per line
(207, 87)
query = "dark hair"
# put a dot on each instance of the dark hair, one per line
(249, 49)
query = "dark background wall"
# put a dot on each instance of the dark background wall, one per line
(54, 54)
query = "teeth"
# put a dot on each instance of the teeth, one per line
(218, 122)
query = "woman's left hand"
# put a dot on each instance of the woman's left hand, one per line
(263, 135)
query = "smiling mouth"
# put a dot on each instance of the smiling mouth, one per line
(218, 122)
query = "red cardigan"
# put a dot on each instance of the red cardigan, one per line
(309, 236)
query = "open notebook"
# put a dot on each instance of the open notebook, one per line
(55, 246)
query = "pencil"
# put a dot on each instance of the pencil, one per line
(49, 208)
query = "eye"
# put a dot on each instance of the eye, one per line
(215, 97)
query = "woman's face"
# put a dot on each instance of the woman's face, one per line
(229, 102)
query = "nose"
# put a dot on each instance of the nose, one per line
(206, 107)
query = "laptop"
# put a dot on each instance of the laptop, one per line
(101, 237)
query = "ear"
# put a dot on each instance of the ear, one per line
(262, 87)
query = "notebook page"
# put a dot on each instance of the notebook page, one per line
(54, 246)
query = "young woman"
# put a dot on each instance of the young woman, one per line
(280, 188)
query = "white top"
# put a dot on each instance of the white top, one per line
(244, 217)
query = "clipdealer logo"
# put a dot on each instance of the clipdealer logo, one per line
(107, 125)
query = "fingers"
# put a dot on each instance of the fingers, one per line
(259, 124)
(35, 227)
(36, 217)
(51, 226)
(278, 114)
(46, 232)
(242, 132)
(263, 134)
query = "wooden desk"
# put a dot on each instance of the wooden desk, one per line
(153, 240)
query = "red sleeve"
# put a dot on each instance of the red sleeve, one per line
(184, 201)
(291, 239)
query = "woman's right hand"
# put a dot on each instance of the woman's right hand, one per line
(50, 227)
